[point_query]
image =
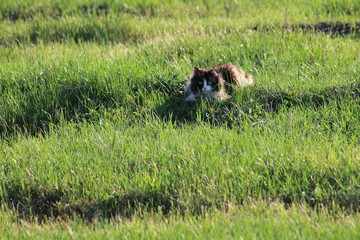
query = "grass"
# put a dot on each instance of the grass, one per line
(97, 142)
(275, 222)
(161, 165)
(125, 77)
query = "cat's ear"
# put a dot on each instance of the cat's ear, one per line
(195, 68)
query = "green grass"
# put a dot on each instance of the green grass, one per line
(255, 220)
(161, 165)
(148, 78)
(96, 141)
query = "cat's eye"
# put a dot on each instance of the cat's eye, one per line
(200, 83)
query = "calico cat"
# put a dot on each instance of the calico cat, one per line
(216, 82)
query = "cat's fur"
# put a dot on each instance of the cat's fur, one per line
(216, 82)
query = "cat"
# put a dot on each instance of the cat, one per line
(216, 82)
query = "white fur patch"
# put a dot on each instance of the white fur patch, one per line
(191, 97)
(206, 87)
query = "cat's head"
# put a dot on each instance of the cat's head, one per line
(205, 81)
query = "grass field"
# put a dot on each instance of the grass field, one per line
(96, 141)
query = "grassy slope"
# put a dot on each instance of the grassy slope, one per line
(120, 141)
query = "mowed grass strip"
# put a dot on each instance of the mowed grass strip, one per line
(300, 10)
(135, 21)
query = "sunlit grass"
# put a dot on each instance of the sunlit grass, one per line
(96, 141)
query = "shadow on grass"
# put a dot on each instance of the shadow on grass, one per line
(41, 106)
(331, 28)
(40, 204)
(251, 103)
(34, 204)
(85, 101)
(75, 101)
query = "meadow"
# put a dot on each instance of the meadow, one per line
(97, 142)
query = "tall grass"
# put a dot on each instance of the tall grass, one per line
(86, 79)
(94, 127)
